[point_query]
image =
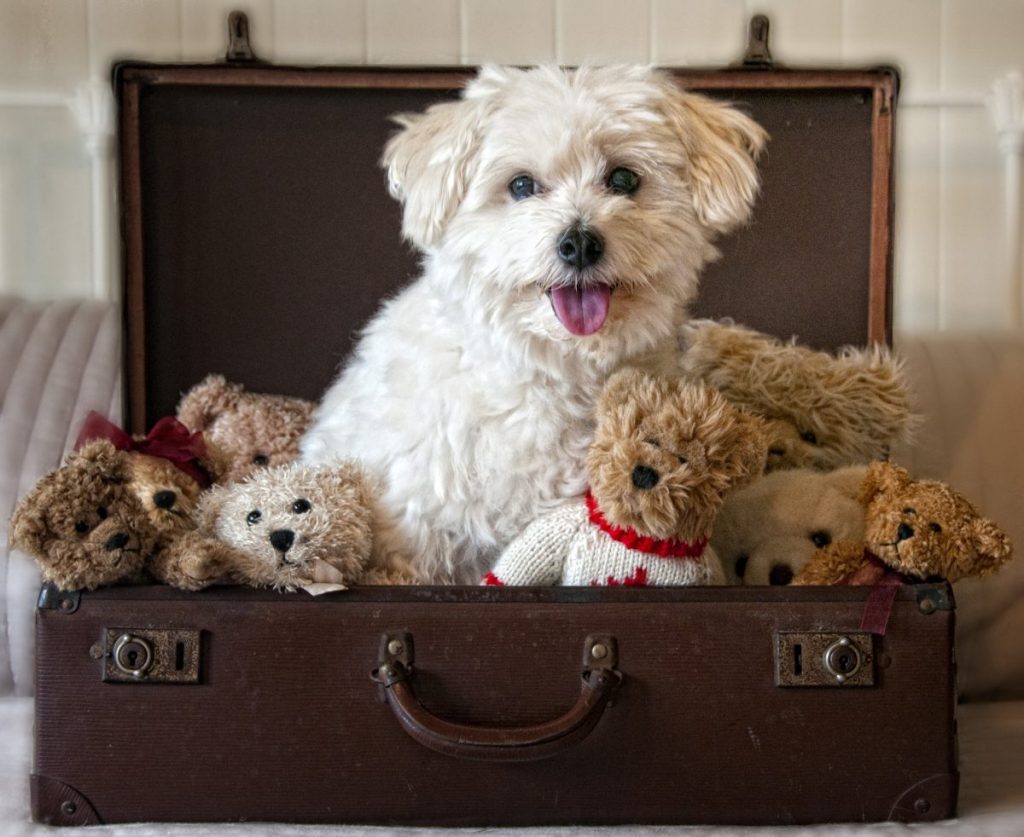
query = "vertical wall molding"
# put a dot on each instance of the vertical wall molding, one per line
(1006, 104)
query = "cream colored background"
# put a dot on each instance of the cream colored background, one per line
(951, 271)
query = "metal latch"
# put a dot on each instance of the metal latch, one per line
(824, 659)
(148, 655)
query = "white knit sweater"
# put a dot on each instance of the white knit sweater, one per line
(570, 546)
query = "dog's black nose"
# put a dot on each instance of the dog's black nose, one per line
(644, 477)
(282, 539)
(904, 532)
(164, 499)
(116, 542)
(580, 247)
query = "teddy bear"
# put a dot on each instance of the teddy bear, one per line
(253, 429)
(767, 531)
(823, 411)
(914, 530)
(289, 527)
(665, 454)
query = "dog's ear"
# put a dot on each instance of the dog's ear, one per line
(723, 146)
(431, 161)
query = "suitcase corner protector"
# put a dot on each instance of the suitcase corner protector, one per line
(57, 803)
(932, 798)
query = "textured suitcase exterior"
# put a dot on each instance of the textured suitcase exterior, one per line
(485, 706)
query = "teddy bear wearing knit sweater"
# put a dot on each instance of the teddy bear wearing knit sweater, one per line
(665, 455)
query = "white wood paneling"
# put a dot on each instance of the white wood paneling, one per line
(413, 32)
(508, 33)
(603, 31)
(320, 31)
(147, 30)
(697, 33)
(44, 44)
(981, 40)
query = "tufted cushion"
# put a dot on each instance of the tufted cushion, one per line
(970, 389)
(58, 360)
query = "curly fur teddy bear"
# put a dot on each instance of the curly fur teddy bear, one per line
(823, 411)
(254, 430)
(292, 527)
(917, 529)
(664, 456)
(767, 531)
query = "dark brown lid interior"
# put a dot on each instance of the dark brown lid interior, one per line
(260, 236)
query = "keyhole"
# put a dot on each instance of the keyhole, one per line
(179, 656)
(132, 657)
(798, 659)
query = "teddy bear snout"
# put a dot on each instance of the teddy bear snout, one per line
(904, 532)
(165, 499)
(116, 541)
(644, 477)
(282, 539)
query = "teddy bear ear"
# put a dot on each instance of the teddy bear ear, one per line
(750, 451)
(848, 481)
(992, 544)
(624, 386)
(201, 405)
(28, 526)
(883, 477)
(102, 458)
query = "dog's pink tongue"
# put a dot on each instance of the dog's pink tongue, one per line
(581, 310)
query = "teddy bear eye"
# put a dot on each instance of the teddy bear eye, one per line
(809, 437)
(260, 459)
(682, 459)
(253, 517)
(652, 443)
(935, 527)
(301, 506)
(102, 512)
(909, 510)
(820, 539)
(81, 527)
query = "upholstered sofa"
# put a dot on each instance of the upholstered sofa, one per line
(60, 359)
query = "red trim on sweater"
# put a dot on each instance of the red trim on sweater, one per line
(637, 579)
(491, 580)
(632, 539)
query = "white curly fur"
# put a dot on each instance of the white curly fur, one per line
(466, 393)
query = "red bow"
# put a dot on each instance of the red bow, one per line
(169, 439)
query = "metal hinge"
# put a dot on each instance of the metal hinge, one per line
(239, 46)
(804, 658)
(758, 55)
(148, 655)
(51, 597)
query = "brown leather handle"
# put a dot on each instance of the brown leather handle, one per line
(598, 682)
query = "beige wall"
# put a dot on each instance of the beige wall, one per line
(951, 268)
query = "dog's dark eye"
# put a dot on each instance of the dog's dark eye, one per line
(523, 186)
(809, 437)
(102, 512)
(260, 459)
(253, 517)
(820, 539)
(81, 527)
(623, 181)
(935, 527)
(301, 506)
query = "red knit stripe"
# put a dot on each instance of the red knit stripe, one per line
(491, 580)
(632, 539)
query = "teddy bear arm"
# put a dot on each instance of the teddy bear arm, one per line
(193, 561)
(537, 556)
(831, 564)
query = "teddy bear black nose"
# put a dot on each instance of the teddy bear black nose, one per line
(644, 477)
(115, 542)
(780, 575)
(904, 532)
(164, 499)
(282, 539)
(580, 247)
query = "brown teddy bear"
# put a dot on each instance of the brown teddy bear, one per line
(254, 430)
(823, 411)
(86, 526)
(919, 530)
(291, 527)
(665, 454)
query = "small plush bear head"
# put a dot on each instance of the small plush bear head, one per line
(768, 531)
(823, 411)
(82, 524)
(924, 529)
(254, 430)
(287, 517)
(666, 452)
(168, 495)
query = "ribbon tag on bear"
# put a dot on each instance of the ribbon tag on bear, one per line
(325, 578)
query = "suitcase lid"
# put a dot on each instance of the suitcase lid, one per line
(256, 222)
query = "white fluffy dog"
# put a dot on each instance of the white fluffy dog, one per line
(564, 217)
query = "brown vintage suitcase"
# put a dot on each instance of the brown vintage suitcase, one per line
(256, 225)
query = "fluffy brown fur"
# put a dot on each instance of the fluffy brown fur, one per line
(253, 429)
(823, 411)
(700, 446)
(920, 528)
(314, 514)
